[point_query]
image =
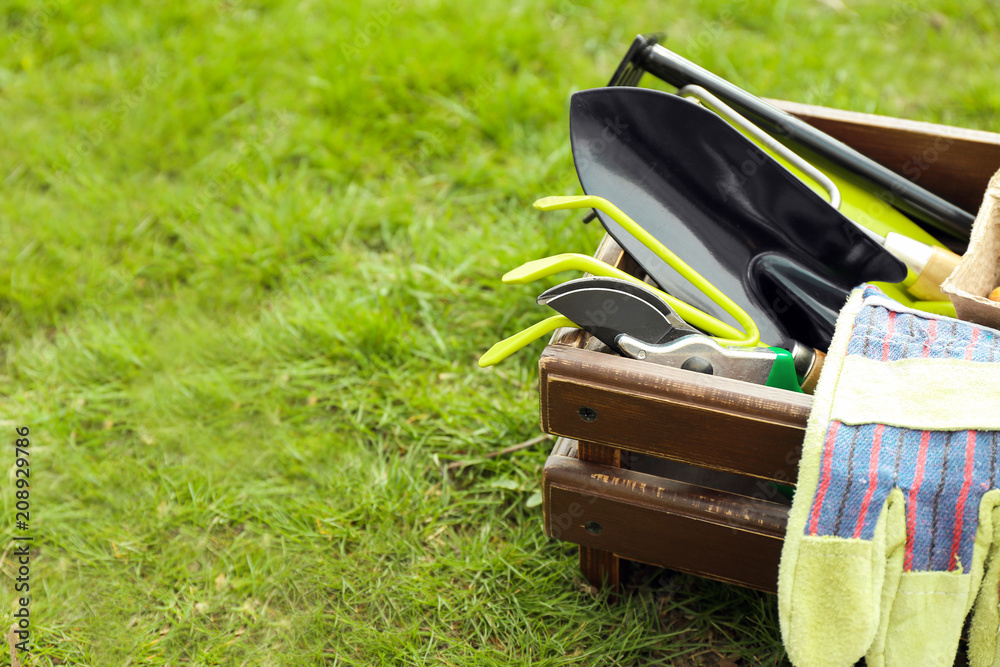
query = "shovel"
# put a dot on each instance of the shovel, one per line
(645, 55)
(780, 251)
(636, 323)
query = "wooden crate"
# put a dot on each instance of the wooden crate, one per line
(678, 469)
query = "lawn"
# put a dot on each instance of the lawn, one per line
(251, 253)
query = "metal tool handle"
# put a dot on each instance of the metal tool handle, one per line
(718, 106)
(703, 355)
(695, 352)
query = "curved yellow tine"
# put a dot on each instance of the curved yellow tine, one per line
(751, 336)
(509, 346)
(571, 261)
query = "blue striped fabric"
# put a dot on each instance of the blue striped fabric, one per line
(943, 474)
(914, 336)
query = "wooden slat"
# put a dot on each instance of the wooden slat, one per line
(712, 422)
(952, 162)
(602, 568)
(658, 521)
(595, 453)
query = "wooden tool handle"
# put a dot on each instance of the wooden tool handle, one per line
(928, 284)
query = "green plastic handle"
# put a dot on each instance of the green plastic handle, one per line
(752, 334)
(782, 373)
(571, 261)
(509, 346)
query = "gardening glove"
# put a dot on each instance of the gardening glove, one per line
(985, 625)
(895, 518)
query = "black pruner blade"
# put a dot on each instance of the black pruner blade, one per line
(609, 307)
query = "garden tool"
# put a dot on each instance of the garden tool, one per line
(929, 262)
(512, 344)
(607, 308)
(775, 149)
(750, 336)
(645, 55)
(786, 255)
(547, 266)
(894, 532)
(806, 363)
(650, 243)
(772, 366)
(628, 306)
(636, 323)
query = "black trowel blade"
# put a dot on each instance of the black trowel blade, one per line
(710, 195)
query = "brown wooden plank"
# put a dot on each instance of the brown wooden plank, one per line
(953, 162)
(703, 420)
(595, 453)
(602, 568)
(611, 253)
(658, 521)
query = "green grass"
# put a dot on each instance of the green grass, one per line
(251, 253)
